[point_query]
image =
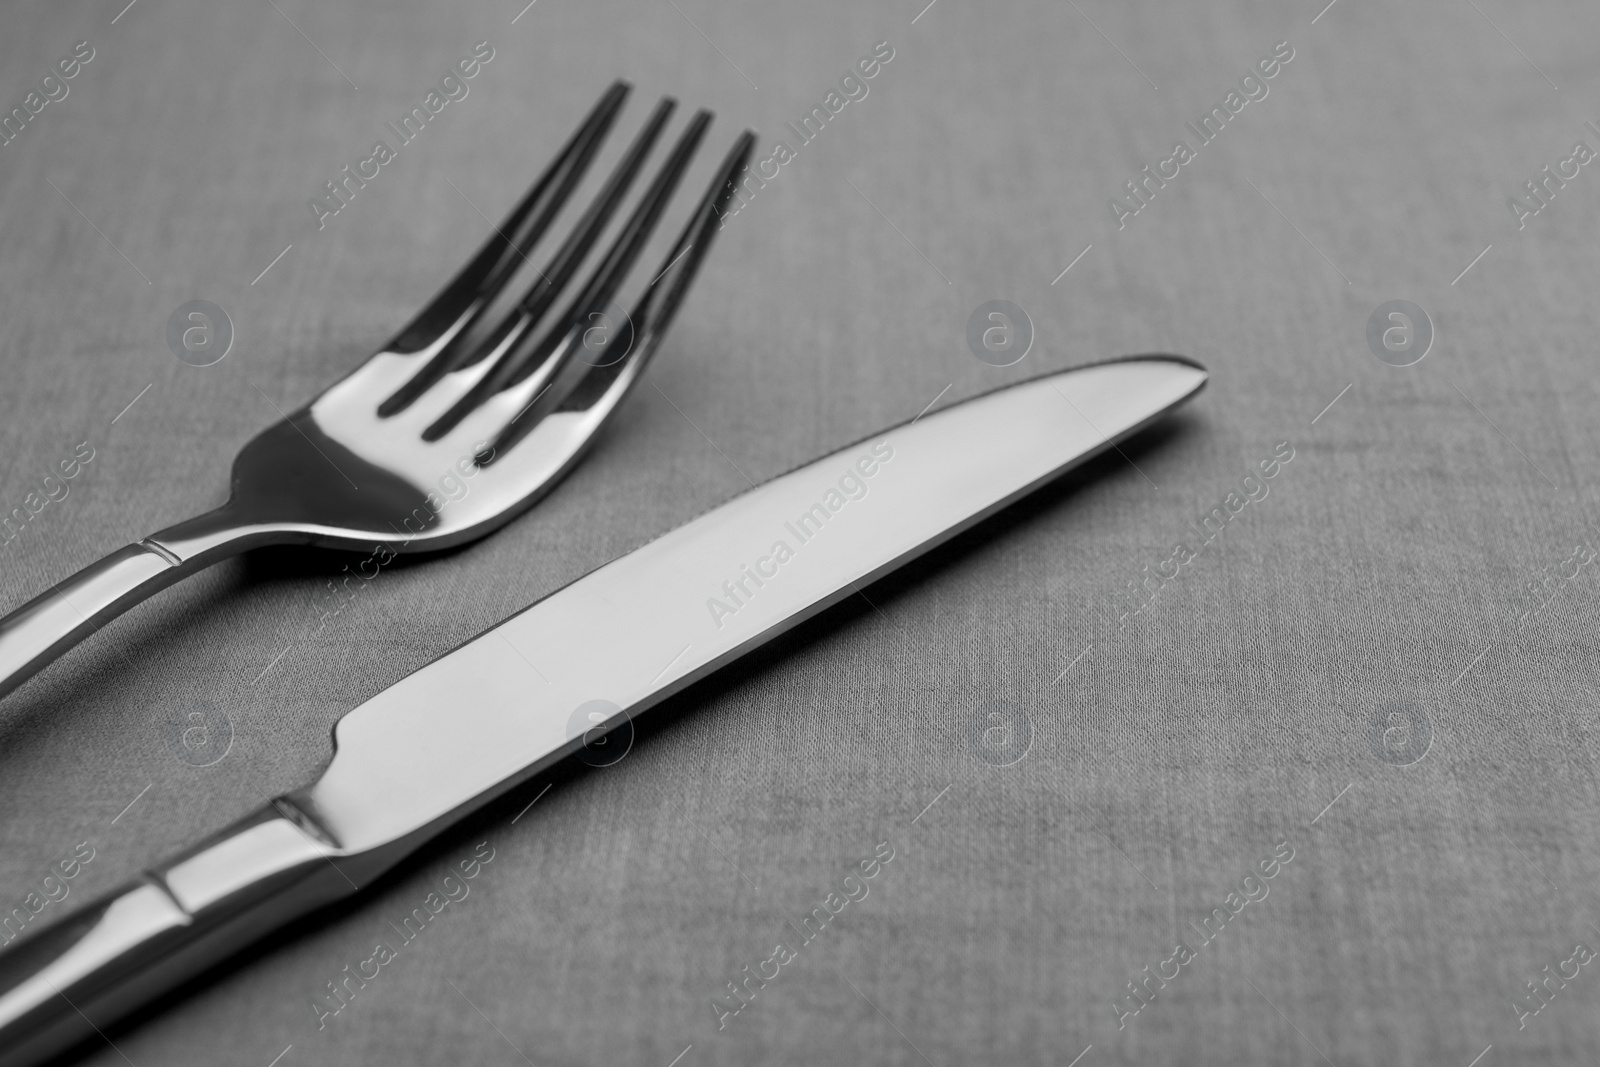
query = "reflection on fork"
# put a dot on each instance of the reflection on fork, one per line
(509, 404)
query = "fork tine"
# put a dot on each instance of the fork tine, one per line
(512, 333)
(658, 305)
(524, 355)
(571, 255)
(466, 296)
(619, 261)
(601, 388)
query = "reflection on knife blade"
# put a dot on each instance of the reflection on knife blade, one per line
(851, 485)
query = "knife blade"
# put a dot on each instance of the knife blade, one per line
(499, 709)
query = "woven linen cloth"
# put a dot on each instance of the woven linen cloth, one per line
(1079, 745)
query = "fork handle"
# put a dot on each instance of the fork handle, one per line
(60, 617)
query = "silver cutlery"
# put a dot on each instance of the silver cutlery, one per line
(477, 722)
(503, 410)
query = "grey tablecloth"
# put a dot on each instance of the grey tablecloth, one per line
(1272, 699)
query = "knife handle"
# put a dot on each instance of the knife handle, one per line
(71, 981)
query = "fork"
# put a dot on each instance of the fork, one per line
(446, 433)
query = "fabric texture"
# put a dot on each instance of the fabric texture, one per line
(1076, 741)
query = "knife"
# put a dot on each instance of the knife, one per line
(484, 718)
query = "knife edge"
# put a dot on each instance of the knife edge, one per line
(647, 625)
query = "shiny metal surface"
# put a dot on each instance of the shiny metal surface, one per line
(442, 436)
(476, 722)
(646, 625)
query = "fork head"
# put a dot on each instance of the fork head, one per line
(459, 424)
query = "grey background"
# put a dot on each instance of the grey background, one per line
(1386, 565)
